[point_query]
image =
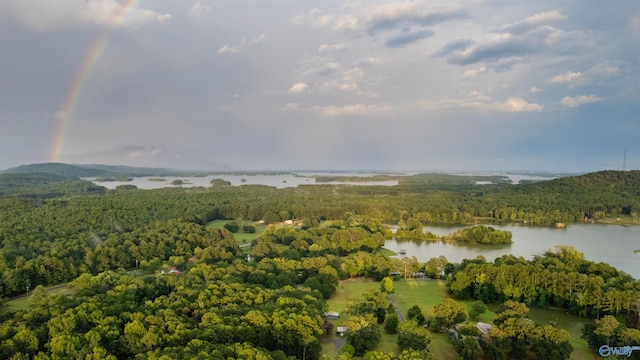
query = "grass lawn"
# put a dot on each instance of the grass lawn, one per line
(386, 252)
(426, 294)
(572, 323)
(241, 237)
(349, 289)
(22, 303)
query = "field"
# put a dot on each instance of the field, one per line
(426, 294)
(240, 236)
(21, 303)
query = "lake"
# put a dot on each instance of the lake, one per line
(611, 244)
(279, 181)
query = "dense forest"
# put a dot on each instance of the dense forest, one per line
(56, 229)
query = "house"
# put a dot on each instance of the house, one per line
(483, 327)
(171, 270)
(341, 330)
(418, 275)
(331, 315)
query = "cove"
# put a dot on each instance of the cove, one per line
(611, 244)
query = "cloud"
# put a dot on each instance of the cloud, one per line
(513, 43)
(57, 15)
(403, 14)
(406, 38)
(499, 47)
(297, 88)
(533, 22)
(396, 16)
(535, 89)
(597, 73)
(370, 61)
(474, 73)
(244, 42)
(290, 107)
(480, 102)
(573, 102)
(147, 151)
(354, 110)
(331, 47)
(336, 85)
(313, 18)
(198, 10)
(453, 46)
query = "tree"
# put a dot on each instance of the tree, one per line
(510, 309)
(449, 313)
(248, 228)
(551, 343)
(391, 324)
(363, 333)
(607, 327)
(415, 313)
(232, 226)
(411, 336)
(467, 347)
(386, 285)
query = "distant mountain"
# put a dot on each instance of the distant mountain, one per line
(44, 185)
(97, 170)
(59, 169)
(139, 171)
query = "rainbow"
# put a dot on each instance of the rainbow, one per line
(79, 81)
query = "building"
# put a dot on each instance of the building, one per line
(331, 315)
(483, 327)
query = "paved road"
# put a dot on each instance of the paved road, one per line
(393, 301)
(338, 343)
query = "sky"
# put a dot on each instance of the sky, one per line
(324, 85)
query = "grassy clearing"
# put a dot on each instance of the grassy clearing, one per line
(22, 303)
(426, 294)
(386, 252)
(241, 237)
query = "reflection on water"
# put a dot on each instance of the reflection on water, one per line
(600, 243)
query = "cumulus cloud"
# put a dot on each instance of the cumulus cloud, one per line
(396, 17)
(597, 73)
(533, 22)
(573, 102)
(297, 88)
(244, 42)
(38, 15)
(331, 47)
(403, 14)
(511, 44)
(198, 10)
